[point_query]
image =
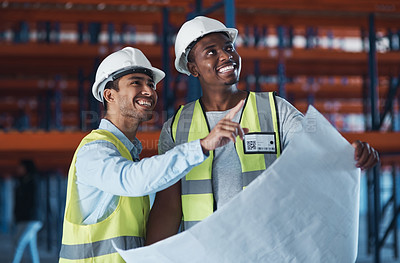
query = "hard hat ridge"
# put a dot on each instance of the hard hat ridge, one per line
(122, 62)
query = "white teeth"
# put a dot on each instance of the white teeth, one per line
(225, 69)
(145, 103)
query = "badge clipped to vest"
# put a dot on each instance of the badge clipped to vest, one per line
(264, 142)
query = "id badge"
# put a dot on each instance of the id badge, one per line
(259, 143)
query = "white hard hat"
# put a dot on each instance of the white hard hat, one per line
(125, 61)
(191, 31)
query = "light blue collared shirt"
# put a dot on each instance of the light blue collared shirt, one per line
(102, 174)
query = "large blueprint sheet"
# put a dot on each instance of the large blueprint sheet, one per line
(304, 208)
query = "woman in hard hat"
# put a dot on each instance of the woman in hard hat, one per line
(107, 200)
(204, 48)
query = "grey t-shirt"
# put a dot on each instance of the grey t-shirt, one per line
(226, 173)
(226, 177)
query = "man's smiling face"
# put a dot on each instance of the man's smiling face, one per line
(214, 60)
(137, 96)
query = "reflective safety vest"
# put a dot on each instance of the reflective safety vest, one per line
(126, 226)
(190, 123)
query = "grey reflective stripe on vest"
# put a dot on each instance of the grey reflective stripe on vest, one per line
(266, 121)
(189, 224)
(182, 135)
(248, 177)
(184, 122)
(196, 186)
(99, 248)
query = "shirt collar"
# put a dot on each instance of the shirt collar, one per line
(135, 147)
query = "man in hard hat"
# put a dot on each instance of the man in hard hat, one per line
(107, 191)
(204, 48)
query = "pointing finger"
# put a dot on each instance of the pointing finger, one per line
(234, 110)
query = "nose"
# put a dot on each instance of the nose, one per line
(147, 90)
(225, 55)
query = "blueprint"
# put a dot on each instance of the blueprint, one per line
(303, 208)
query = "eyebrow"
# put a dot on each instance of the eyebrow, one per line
(228, 42)
(141, 78)
(208, 47)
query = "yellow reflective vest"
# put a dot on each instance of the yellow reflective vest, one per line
(126, 226)
(190, 123)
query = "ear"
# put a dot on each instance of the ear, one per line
(108, 95)
(193, 69)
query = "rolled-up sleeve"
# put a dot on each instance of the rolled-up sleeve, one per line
(100, 164)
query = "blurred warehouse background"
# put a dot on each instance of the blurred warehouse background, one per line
(341, 56)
